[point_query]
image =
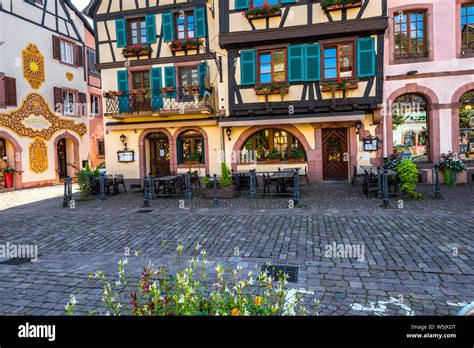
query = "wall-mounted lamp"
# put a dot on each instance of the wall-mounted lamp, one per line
(358, 126)
(123, 138)
(228, 131)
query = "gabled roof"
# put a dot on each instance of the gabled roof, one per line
(89, 10)
(80, 15)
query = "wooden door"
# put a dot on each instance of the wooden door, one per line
(62, 158)
(159, 154)
(335, 154)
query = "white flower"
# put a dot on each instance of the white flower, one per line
(238, 268)
(73, 300)
(107, 313)
(250, 274)
(203, 252)
(181, 299)
(137, 253)
(250, 281)
(198, 246)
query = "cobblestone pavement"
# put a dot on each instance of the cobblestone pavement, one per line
(418, 254)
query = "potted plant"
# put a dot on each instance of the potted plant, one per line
(339, 85)
(296, 155)
(451, 166)
(192, 158)
(185, 44)
(273, 157)
(332, 5)
(9, 172)
(272, 88)
(264, 11)
(137, 50)
(225, 184)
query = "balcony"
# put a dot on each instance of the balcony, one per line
(166, 101)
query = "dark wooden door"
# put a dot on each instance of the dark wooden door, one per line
(335, 154)
(159, 154)
(62, 158)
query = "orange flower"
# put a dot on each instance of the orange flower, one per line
(257, 301)
(235, 312)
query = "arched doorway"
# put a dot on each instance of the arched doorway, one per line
(66, 148)
(159, 153)
(10, 156)
(466, 125)
(410, 127)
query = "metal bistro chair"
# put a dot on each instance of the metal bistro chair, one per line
(268, 182)
(119, 181)
(194, 177)
(179, 185)
(371, 183)
(355, 176)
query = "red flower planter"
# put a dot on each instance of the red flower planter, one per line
(8, 180)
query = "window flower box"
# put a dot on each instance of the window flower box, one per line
(334, 5)
(339, 85)
(273, 88)
(193, 89)
(185, 44)
(112, 94)
(167, 90)
(264, 11)
(137, 51)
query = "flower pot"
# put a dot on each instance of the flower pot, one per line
(8, 180)
(450, 176)
(222, 192)
(191, 162)
(270, 161)
(296, 159)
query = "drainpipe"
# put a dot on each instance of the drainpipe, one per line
(384, 120)
(223, 147)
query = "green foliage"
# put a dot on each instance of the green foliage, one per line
(392, 162)
(408, 173)
(296, 153)
(209, 182)
(193, 157)
(85, 177)
(451, 161)
(274, 155)
(226, 178)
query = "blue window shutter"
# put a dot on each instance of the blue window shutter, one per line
(203, 158)
(200, 20)
(202, 72)
(247, 67)
(122, 86)
(156, 84)
(170, 80)
(167, 27)
(312, 57)
(241, 4)
(295, 63)
(366, 57)
(287, 1)
(150, 29)
(179, 151)
(121, 32)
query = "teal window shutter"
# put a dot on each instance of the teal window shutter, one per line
(312, 62)
(150, 29)
(295, 63)
(287, 1)
(167, 27)
(247, 67)
(241, 4)
(366, 57)
(122, 86)
(156, 84)
(202, 72)
(200, 20)
(170, 81)
(121, 32)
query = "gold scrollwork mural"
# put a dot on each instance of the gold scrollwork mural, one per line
(38, 156)
(33, 66)
(35, 105)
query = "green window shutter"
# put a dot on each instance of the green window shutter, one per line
(170, 80)
(202, 72)
(150, 29)
(287, 1)
(366, 57)
(121, 32)
(179, 150)
(241, 4)
(312, 54)
(247, 67)
(167, 27)
(200, 20)
(295, 63)
(203, 158)
(156, 84)
(122, 86)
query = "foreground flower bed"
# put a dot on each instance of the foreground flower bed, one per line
(188, 293)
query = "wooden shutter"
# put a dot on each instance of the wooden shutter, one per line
(58, 100)
(241, 4)
(150, 29)
(83, 103)
(167, 27)
(156, 84)
(202, 72)
(295, 63)
(121, 32)
(122, 85)
(79, 56)
(366, 57)
(312, 62)
(170, 80)
(10, 91)
(247, 67)
(200, 20)
(56, 47)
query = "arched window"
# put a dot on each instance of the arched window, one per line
(410, 127)
(273, 144)
(466, 125)
(190, 147)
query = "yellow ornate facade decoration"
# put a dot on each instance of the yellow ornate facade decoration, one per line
(38, 151)
(33, 66)
(69, 76)
(34, 104)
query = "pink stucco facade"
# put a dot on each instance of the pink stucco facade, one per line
(441, 77)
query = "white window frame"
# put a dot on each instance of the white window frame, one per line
(95, 104)
(69, 109)
(65, 58)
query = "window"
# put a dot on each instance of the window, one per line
(466, 126)
(141, 80)
(190, 147)
(258, 3)
(276, 142)
(137, 31)
(185, 25)
(68, 103)
(339, 61)
(188, 77)
(67, 52)
(7, 91)
(95, 105)
(467, 27)
(272, 66)
(91, 61)
(100, 147)
(410, 35)
(410, 127)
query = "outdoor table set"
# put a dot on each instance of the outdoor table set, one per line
(373, 180)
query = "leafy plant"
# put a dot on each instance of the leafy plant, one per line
(85, 178)
(296, 153)
(408, 173)
(226, 178)
(451, 161)
(392, 162)
(208, 181)
(262, 11)
(192, 157)
(327, 3)
(274, 155)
